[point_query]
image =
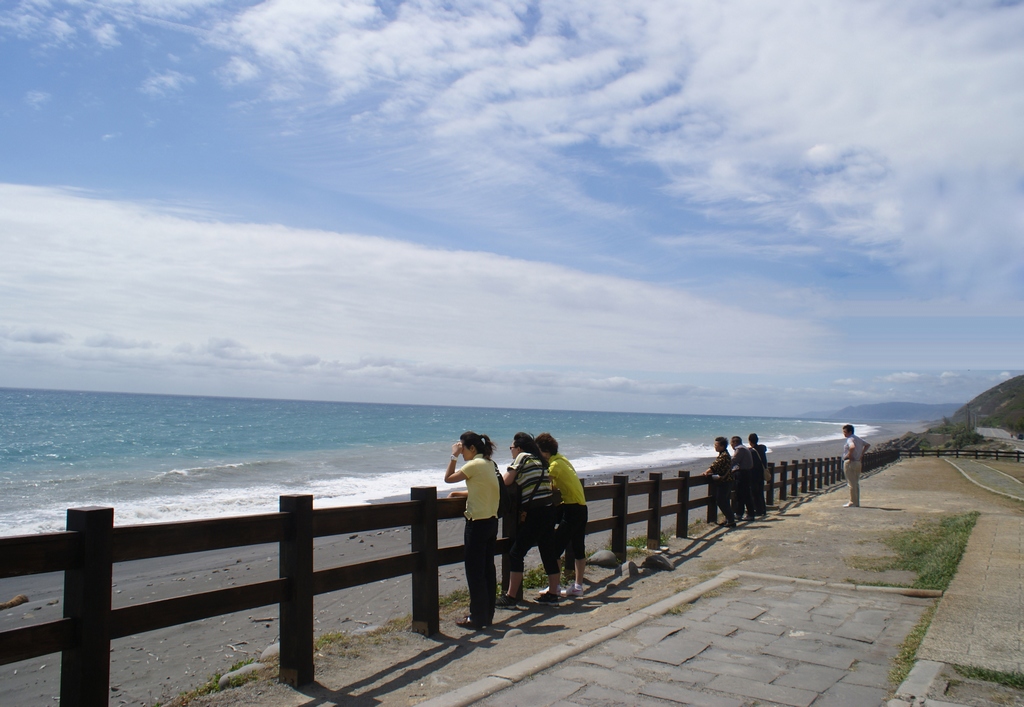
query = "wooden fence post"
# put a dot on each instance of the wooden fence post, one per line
(819, 471)
(805, 465)
(683, 499)
(712, 514)
(783, 478)
(85, 667)
(620, 509)
(426, 618)
(769, 486)
(654, 508)
(795, 480)
(296, 564)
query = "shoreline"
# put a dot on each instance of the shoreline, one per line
(156, 666)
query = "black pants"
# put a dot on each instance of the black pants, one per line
(723, 494)
(757, 488)
(480, 538)
(538, 529)
(572, 529)
(744, 496)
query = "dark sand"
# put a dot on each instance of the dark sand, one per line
(156, 666)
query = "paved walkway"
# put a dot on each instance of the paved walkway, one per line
(980, 620)
(746, 639)
(989, 478)
(773, 642)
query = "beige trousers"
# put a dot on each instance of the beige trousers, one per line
(851, 470)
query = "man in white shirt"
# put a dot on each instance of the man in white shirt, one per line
(853, 453)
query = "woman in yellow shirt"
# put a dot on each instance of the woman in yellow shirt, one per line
(481, 533)
(572, 521)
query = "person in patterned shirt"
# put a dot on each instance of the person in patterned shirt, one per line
(721, 481)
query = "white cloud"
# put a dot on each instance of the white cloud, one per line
(143, 287)
(37, 99)
(106, 35)
(833, 119)
(161, 85)
(902, 377)
(110, 341)
(33, 335)
(238, 71)
(890, 129)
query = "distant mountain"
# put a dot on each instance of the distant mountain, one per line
(890, 412)
(1000, 406)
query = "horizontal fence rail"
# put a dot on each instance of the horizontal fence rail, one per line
(88, 549)
(997, 454)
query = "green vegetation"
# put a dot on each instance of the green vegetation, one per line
(1014, 680)
(349, 645)
(959, 435)
(535, 578)
(932, 549)
(213, 684)
(1000, 406)
(640, 541)
(458, 598)
(720, 589)
(905, 659)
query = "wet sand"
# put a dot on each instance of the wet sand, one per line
(158, 665)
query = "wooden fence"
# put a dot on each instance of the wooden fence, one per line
(996, 454)
(90, 546)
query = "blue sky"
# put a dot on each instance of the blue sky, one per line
(739, 207)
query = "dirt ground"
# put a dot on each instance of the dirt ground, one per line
(811, 536)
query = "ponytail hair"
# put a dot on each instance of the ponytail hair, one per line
(481, 443)
(528, 444)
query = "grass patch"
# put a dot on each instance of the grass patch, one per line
(681, 609)
(212, 685)
(640, 542)
(1014, 680)
(535, 578)
(720, 589)
(907, 656)
(931, 549)
(869, 563)
(341, 644)
(348, 645)
(455, 600)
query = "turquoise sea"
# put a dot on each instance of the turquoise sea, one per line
(162, 458)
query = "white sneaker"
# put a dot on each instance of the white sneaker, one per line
(576, 590)
(849, 504)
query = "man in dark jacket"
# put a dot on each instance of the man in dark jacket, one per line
(760, 454)
(742, 466)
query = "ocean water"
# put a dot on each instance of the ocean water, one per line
(157, 458)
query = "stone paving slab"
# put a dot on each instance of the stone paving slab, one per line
(736, 665)
(980, 620)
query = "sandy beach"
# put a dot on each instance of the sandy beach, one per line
(158, 665)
